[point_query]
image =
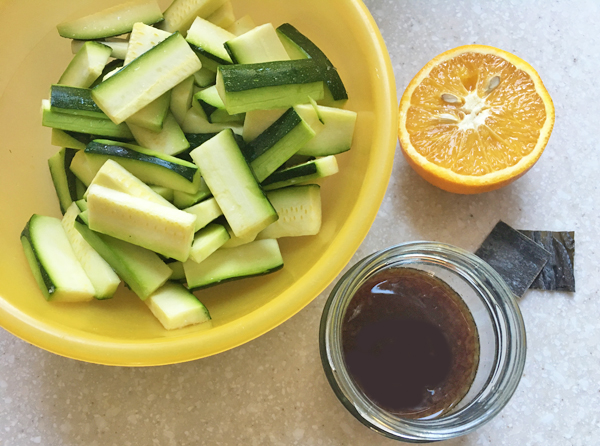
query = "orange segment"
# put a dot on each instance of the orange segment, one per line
(474, 119)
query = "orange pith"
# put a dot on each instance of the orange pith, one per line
(474, 119)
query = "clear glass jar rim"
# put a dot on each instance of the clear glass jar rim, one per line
(494, 289)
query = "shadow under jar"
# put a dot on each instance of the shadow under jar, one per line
(422, 342)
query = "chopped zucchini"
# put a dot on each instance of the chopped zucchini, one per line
(62, 138)
(208, 39)
(104, 280)
(299, 210)
(82, 124)
(162, 229)
(213, 106)
(181, 99)
(152, 116)
(205, 212)
(252, 259)
(112, 21)
(170, 140)
(277, 144)
(86, 65)
(246, 87)
(233, 184)
(142, 270)
(118, 47)
(175, 307)
(149, 166)
(207, 240)
(223, 16)
(62, 177)
(242, 25)
(301, 173)
(260, 44)
(75, 101)
(181, 13)
(146, 78)
(57, 271)
(303, 45)
(142, 39)
(336, 134)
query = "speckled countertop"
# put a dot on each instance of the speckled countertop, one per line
(272, 391)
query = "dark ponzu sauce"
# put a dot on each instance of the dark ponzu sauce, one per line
(410, 343)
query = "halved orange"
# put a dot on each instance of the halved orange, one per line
(474, 119)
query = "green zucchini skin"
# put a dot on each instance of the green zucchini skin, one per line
(40, 274)
(285, 124)
(243, 77)
(109, 148)
(64, 180)
(312, 51)
(78, 101)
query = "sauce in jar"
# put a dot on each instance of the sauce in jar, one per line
(410, 343)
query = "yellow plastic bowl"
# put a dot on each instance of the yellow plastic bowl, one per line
(122, 331)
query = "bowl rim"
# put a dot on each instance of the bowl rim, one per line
(93, 348)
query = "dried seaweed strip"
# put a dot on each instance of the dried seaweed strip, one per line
(517, 258)
(559, 273)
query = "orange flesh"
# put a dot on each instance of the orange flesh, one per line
(503, 127)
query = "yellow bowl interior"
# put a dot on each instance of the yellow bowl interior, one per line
(122, 331)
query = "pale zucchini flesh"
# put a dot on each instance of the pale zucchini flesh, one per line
(336, 134)
(161, 229)
(233, 184)
(170, 140)
(207, 240)
(62, 177)
(181, 98)
(181, 13)
(260, 44)
(112, 21)
(118, 47)
(86, 66)
(205, 212)
(104, 280)
(224, 16)
(299, 210)
(153, 115)
(146, 78)
(61, 138)
(208, 39)
(302, 173)
(175, 307)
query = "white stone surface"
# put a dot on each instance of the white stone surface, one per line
(272, 391)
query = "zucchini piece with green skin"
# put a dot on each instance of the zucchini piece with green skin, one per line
(268, 85)
(294, 38)
(86, 66)
(118, 47)
(164, 230)
(233, 184)
(207, 240)
(112, 21)
(195, 122)
(181, 13)
(205, 77)
(299, 210)
(260, 44)
(57, 271)
(277, 144)
(81, 168)
(208, 39)
(74, 100)
(142, 270)
(149, 166)
(336, 133)
(182, 200)
(302, 173)
(146, 78)
(114, 176)
(61, 138)
(181, 98)
(170, 140)
(175, 307)
(152, 116)
(213, 107)
(252, 259)
(79, 189)
(63, 178)
(257, 121)
(164, 192)
(205, 212)
(82, 124)
(112, 67)
(101, 275)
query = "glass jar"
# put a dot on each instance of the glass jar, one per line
(501, 339)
